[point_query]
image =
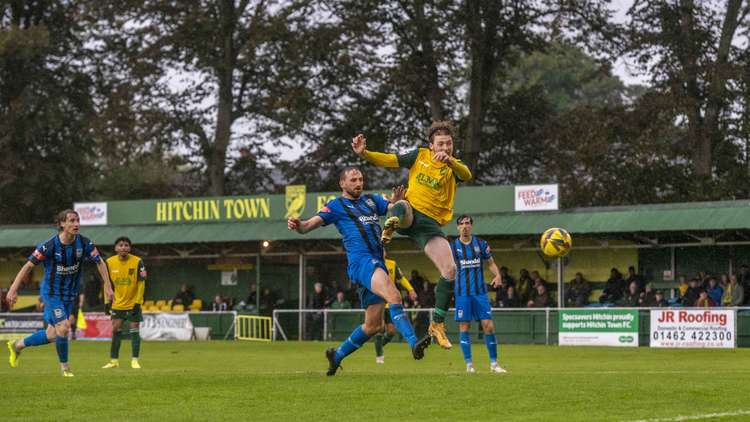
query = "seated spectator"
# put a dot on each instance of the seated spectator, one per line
(724, 281)
(647, 296)
(542, 299)
(614, 289)
(523, 286)
(537, 279)
(577, 292)
(341, 302)
(715, 292)
(692, 293)
(507, 278)
(218, 305)
(632, 296)
(703, 279)
(506, 298)
(633, 276)
(734, 294)
(659, 300)
(184, 297)
(704, 301)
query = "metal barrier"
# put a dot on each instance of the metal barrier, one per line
(253, 328)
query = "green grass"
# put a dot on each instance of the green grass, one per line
(286, 381)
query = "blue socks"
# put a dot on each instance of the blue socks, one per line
(354, 342)
(61, 343)
(37, 339)
(465, 340)
(402, 323)
(491, 342)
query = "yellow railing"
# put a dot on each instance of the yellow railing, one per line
(254, 328)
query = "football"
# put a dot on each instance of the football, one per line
(555, 242)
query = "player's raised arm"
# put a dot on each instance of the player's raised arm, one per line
(398, 193)
(460, 169)
(359, 146)
(304, 226)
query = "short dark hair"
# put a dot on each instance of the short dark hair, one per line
(440, 127)
(464, 217)
(123, 239)
(62, 216)
(347, 169)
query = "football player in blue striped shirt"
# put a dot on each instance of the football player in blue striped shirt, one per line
(357, 218)
(63, 256)
(472, 304)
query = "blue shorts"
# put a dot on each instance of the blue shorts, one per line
(360, 271)
(56, 310)
(473, 308)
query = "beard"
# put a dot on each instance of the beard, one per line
(353, 193)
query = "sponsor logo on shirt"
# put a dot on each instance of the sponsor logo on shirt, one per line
(470, 263)
(71, 269)
(369, 219)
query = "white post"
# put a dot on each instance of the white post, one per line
(560, 283)
(546, 329)
(325, 324)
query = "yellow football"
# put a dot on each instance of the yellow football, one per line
(555, 242)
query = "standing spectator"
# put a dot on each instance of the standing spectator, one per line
(734, 294)
(715, 291)
(704, 301)
(542, 299)
(268, 302)
(692, 293)
(184, 297)
(632, 296)
(702, 279)
(614, 289)
(523, 286)
(744, 281)
(578, 290)
(724, 281)
(633, 276)
(341, 302)
(416, 280)
(218, 305)
(3, 303)
(318, 300)
(683, 286)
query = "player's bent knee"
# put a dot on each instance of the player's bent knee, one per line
(372, 328)
(449, 271)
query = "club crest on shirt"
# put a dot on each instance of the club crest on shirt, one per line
(476, 249)
(79, 253)
(370, 202)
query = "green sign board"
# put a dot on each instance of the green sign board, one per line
(598, 327)
(296, 202)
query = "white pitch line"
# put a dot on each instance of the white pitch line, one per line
(696, 417)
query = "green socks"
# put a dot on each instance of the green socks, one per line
(378, 339)
(387, 337)
(135, 337)
(442, 299)
(397, 210)
(114, 351)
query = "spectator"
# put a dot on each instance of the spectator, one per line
(508, 298)
(184, 297)
(252, 297)
(318, 300)
(268, 302)
(633, 276)
(416, 279)
(692, 293)
(426, 295)
(632, 296)
(537, 279)
(661, 301)
(683, 286)
(614, 289)
(744, 281)
(702, 279)
(542, 298)
(734, 294)
(523, 286)
(648, 296)
(507, 278)
(724, 281)
(3, 302)
(704, 301)
(578, 290)
(218, 305)
(341, 302)
(715, 291)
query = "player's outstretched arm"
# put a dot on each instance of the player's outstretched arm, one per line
(497, 278)
(104, 273)
(13, 290)
(304, 226)
(359, 146)
(398, 193)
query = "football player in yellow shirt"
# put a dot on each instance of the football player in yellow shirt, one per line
(433, 176)
(128, 274)
(396, 276)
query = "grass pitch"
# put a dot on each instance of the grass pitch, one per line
(286, 381)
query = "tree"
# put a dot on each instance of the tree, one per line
(45, 110)
(692, 52)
